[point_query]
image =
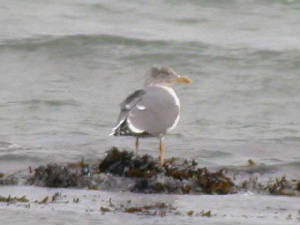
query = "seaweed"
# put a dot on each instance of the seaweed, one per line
(204, 213)
(145, 172)
(10, 199)
(133, 209)
(214, 183)
(190, 213)
(55, 197)
(122, 170)
(43, 201)
(155, 209)
(180, 177)
(158, 208)
(124, 163)
(8, 180)
(298, 185)
(251, 162)
(104, 209)
(54, 175)
(276, 186)
(282, 187)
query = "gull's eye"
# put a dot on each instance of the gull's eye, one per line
(155, 72)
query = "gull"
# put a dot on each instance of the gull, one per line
(153, 110)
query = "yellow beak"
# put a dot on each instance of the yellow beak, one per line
(183, 79)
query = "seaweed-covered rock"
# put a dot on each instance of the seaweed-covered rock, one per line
(283, 187)
(214, 183)
(158, 184)
(8, 180)
(122, 170)
(200, 179)
(274, 186)
(176, 176)
(54, 175)
(124, 163)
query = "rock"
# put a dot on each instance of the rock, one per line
(124, 163)
(123, 171)
(54, 175)
(174, 177)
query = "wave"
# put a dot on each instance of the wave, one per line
(270, 170)
(36, 102)
(50, 40)
(31, 43)
(155, 48)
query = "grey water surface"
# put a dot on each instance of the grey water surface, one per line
(65, 65)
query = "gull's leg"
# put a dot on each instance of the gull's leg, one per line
(161, 152)
(137, 143)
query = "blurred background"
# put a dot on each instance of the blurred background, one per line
(65, 65)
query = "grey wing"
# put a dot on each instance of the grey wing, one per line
(126, 106)
(155, 113)
(132, 100)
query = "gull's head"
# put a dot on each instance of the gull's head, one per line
(162, 75)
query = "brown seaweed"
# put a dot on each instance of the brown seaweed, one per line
(123, 170)
(124, 163)
(10, 199)
(54, 175)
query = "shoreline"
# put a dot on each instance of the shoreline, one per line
(79, 206)
(137, 190)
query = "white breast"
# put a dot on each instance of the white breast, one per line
(172, 92)
(177, 102)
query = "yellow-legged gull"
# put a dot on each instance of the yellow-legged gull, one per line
(152, 111)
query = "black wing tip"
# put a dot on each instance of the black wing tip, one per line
(124, 130)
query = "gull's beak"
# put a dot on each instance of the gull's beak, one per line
(183, 79)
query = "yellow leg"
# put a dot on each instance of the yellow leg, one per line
(137, 143)
(161, 152)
